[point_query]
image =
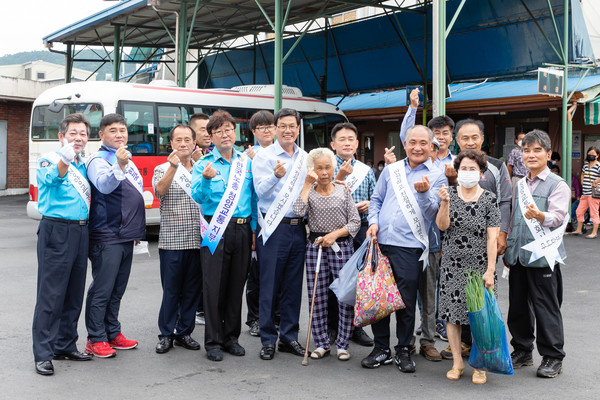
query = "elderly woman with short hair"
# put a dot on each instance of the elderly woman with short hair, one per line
(470, 217)
(332, 217)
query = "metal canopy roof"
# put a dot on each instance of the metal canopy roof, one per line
(213, 21)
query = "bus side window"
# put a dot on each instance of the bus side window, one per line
(140, 128)
(169, 117)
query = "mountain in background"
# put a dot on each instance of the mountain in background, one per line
(27, 56)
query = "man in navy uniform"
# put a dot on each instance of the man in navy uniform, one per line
(117, 220)
(62, 249)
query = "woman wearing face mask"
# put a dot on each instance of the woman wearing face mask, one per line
(590, 177)
(470, 217)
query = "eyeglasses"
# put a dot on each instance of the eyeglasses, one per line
(227, 131)
(264, 129)
(286, 127)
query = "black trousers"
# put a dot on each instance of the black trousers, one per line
(62, 251)
(407, 269)
(111, 265)
(281, 270)
(180, 275)
(224, 277)
(535, 296)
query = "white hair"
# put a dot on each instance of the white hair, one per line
(411, 129)
(320, 152)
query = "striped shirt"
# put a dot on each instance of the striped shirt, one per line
(589, 175)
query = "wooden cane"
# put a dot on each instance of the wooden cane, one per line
(312, 306)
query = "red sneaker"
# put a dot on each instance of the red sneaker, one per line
(99, 349)
(122, 343)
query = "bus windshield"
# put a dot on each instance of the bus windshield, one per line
(44, 123)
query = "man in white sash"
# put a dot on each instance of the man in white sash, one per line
(117, 221)
(360, 178)
(535, 249)
(222, 185)
(62, 249)
(279, 172)
(402, 209)
(178, 243)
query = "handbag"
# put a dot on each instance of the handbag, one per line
(596, 191)
(377, 295)
(344, 286)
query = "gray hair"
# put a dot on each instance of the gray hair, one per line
(74, 119)
(320, 152)
(411, 129)
(537, 136)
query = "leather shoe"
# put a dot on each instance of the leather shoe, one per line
(235, 349)
(549, 368)
(44, 368)
(187, 342)
(267, 352)
(214, 354)
(360, 337)
(164, 345)
(430, 353)
(73, 356)
(292, 347)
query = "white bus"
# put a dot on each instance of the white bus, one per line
(152, 110)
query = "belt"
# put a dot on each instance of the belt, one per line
(234, 221)
(290, 221)
(315, 235)
(81, 222)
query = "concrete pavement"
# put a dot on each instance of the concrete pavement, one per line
(141, 373)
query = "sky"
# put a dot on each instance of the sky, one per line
(26, 22)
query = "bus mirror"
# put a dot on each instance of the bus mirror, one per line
(55, 107)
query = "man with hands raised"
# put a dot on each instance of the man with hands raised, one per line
(402, 208)
(117, 222)
(279, 172)
(178, 243)
(62, 249)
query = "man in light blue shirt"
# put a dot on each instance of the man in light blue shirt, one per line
(390, 227)
(281, 257)
(226, 265)
(62, 249)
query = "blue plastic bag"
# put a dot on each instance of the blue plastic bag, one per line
(344, 286)
(490, 347)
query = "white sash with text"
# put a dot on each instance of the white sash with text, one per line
(409, 207)
(358, 175)
(546, 242)
(75, 177)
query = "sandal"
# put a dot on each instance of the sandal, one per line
(343, 355)
(454, 374)
(591, 236)
(319, 353)
(479, 377)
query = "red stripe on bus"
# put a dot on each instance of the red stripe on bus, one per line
(221, 93)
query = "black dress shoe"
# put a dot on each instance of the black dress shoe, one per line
(359, 336)
(44, 368)
(73, 356)
(235, 349)
(292, 347)
(214, 354)
(549, 368)
(267, 352)
(187, 342)
(164, 345)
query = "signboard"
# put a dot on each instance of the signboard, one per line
(550, 81)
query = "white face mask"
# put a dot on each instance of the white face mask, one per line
(468, 179)
(520, 143)
(380, 168)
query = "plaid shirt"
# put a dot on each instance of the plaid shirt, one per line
(364, 190)
(179, 217)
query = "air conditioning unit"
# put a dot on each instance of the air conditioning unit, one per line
(268, 90)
